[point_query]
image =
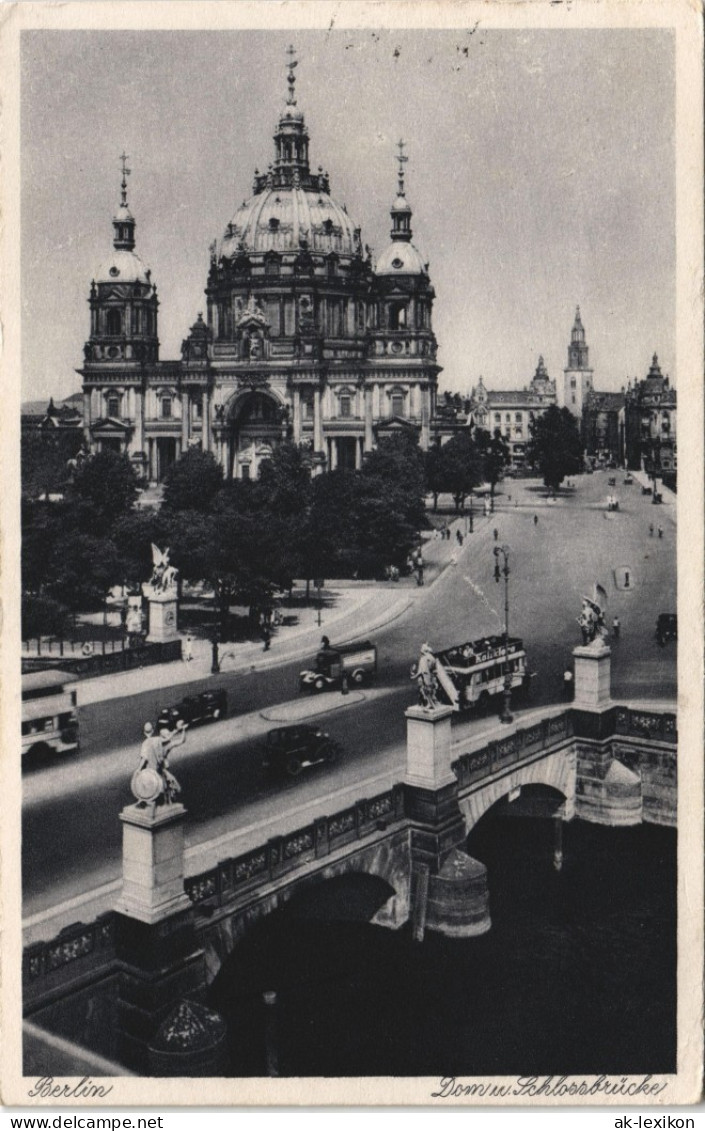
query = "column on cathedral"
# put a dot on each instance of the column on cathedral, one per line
(296, 405)
(317, 421)
(206, 422)
(359, 448)
(139, 421)
(333, 453)
(368, 418)
(86, 418)
(425, 417)
(185, 420)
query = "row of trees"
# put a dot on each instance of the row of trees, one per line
(246, 538)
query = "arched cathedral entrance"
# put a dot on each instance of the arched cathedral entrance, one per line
(256, 424)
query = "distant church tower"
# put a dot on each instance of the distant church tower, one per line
(577, 376)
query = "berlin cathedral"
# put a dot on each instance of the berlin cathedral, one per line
(305, 337)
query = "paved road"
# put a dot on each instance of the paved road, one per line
(70, 812)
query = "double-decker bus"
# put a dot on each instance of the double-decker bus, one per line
(49, 721)
(470, 674)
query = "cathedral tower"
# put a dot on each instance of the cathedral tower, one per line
(123, 341)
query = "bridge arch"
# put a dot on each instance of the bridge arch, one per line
(557, 770)
(374, 881)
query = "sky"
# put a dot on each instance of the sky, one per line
(541, 175)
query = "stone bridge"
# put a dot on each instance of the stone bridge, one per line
(170, 933)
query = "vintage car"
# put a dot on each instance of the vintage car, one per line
(356, 663)
(612, 481)
(666, 628)
(206, 707)
(292, 749)
(628, 478)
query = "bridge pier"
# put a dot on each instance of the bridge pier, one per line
(159, 958)
(451, 885)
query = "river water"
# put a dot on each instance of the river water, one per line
(577, 974)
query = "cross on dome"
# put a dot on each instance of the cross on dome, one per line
(125, 174)
(402, 159)
(291, 77)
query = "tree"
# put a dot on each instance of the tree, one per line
(435, 472)
(555, 446)
(104, 488)
(461, 468)
(495, 457)
(192, 482)
(285, 480)
(83, 567)
(134, 534)
(42, 616)
(44, 460)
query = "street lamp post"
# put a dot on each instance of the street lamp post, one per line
(499, 570)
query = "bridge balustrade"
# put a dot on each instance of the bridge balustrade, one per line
(230, 878)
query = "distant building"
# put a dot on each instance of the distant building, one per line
(577, 376)
(511, 411)
(650, 422)
(53, 419)
(603, 425)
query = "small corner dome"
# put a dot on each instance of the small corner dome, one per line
(123, 215)
(400, 258)
(122, 266)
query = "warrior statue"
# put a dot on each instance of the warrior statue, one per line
(424, 672)
(152, 782)
(592, 618)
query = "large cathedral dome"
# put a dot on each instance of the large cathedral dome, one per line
(291, 207)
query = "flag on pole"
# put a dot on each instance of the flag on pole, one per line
(600, 594)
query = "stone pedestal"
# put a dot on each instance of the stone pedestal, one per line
(159, 956)
(448, 888)
(162, 616)
(592, 676)
(428, 748)
(152, 862)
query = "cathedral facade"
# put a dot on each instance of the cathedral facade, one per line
(305, 336)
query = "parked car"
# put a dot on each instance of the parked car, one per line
(292, 749)
(646, 490)
(666, 628)
(207, 707)
(612, 481)
(628, 478)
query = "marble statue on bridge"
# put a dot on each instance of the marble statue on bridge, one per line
(424, 673)
(153, 782)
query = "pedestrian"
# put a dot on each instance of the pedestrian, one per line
(616, 626)
(660, 532)
(188, 649)
(568, 684)
(496, 533)
(266, 636)
(651, 529)
(459, 537)
(536, 520)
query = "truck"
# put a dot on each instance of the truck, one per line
(470, 674)
(356, 663)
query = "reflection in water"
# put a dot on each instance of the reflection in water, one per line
(577, 974)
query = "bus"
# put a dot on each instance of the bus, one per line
(49, 720)
(470, 674)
